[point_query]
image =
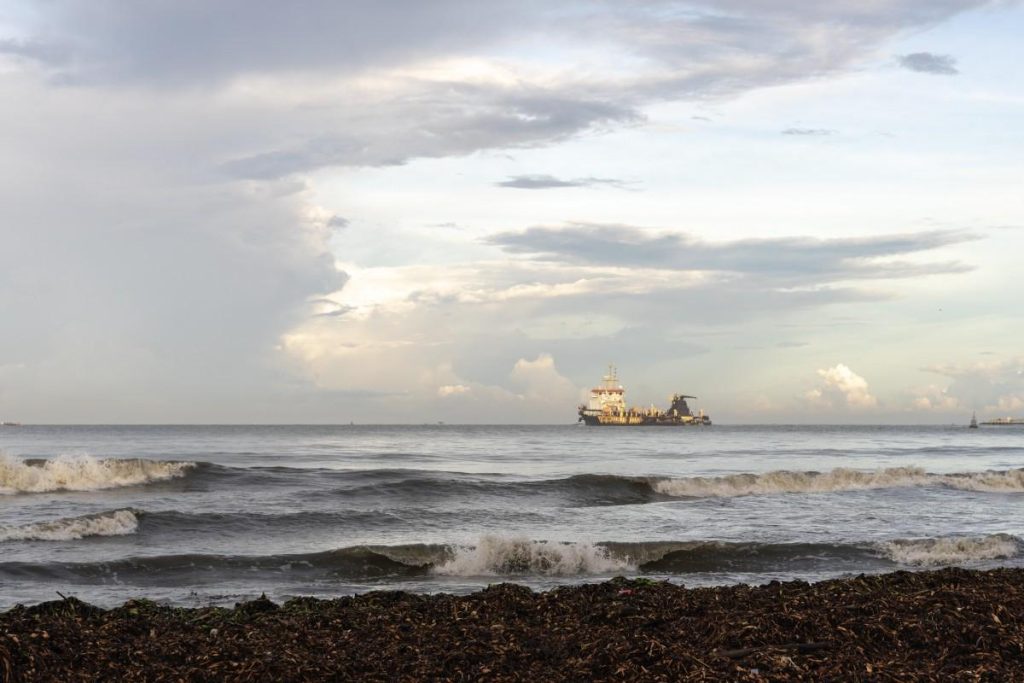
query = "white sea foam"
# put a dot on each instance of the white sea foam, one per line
(937, 552)
(783, 481)
(496, 555)
(115, 523)
(82, 473)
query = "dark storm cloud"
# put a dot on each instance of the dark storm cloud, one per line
(795, 257)
(929, 63)
(544, 182)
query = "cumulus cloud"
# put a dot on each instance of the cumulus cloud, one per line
(539, 380)
(993, 387)
(929, 63)
(841, 387)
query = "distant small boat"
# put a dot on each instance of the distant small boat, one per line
(974, 421)
(10, 424)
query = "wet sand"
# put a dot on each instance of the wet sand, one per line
(952, 624)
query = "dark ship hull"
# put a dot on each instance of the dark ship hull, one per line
(645, 421)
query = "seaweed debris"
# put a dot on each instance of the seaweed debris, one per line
(952, 624)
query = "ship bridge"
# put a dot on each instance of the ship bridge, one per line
(610, 396)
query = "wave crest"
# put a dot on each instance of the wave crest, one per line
(784, 481)
(115, 523)
(1009, 481)
(496, 555)
(82, 473)
(938, 552)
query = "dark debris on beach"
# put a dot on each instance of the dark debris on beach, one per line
(946, 625)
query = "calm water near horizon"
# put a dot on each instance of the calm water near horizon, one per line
(201, 514)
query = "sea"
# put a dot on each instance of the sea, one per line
(201, 515)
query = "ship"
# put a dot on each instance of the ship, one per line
(974, 421)
(607, 407)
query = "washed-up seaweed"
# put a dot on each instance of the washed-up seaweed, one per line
(946, 625)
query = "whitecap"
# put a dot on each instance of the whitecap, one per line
(82, 473)
(114, 523)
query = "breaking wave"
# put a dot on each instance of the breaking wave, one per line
(840, 479)
(115, 523)
(494, 555)
(517, 557)
(82, 473)
(937, 552)
(993, 481)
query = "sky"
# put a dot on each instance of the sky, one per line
(409, 212)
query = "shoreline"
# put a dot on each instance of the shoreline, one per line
(929, 625)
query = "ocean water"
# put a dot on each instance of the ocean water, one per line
(207, 514)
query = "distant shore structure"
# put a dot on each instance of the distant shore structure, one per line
(10, 424)
(607, 407)
(1005, 421)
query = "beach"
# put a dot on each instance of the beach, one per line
(950, 624)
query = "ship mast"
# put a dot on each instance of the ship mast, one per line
(611, 380)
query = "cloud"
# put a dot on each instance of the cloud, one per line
(539, 380)
(929, 63)
(452, 390)
(841, 387)
(792, 258)
(113, 42)
(543, 182)
(933, 398)
(693, 43)
(808, 131)
(35, 50)
(334, 310)
(469, 120)
(992, 387)
(146, 292)
(179, 243)
(446, 66)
